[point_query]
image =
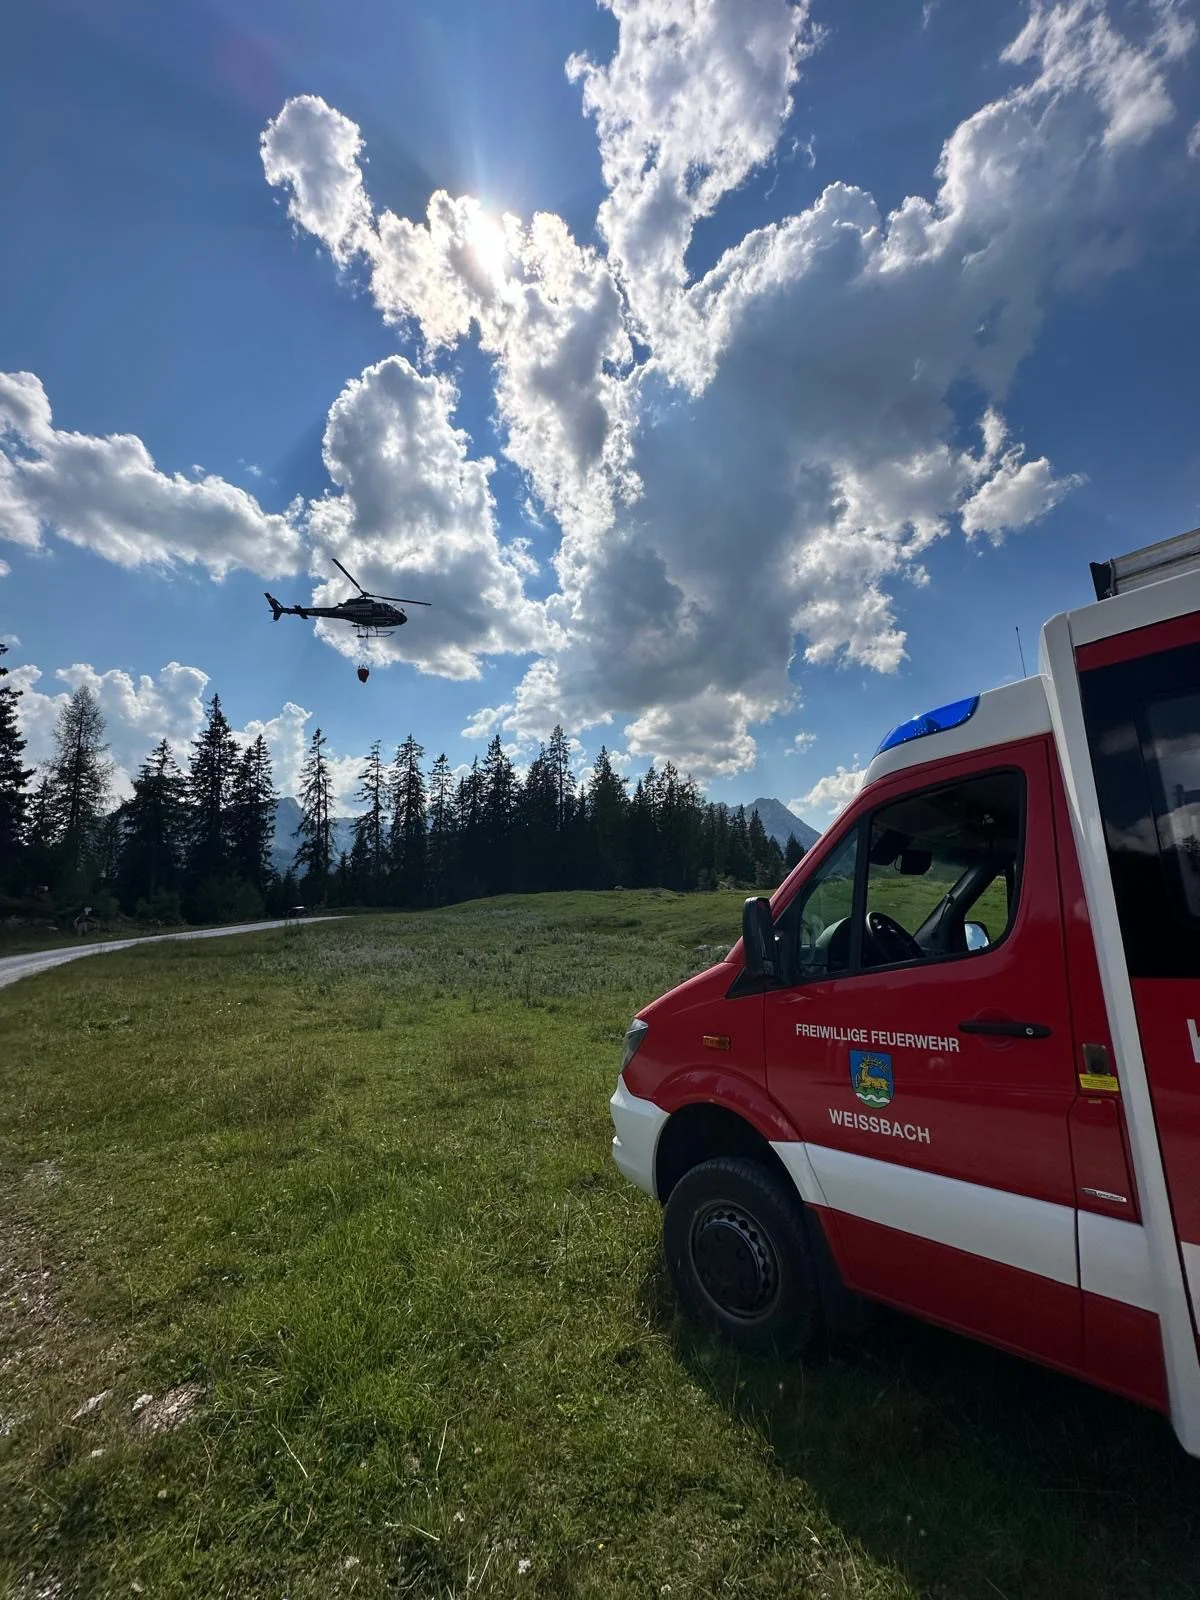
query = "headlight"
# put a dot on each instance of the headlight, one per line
(634, 1034)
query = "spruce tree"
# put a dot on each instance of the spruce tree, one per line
(538, 826)
(739, 859)
(407, 839)
(81, 775)
(314, 858)
(14, 780)
(607, 814)
(793, 852)
(499, 808)
(211, 771)
(153, 831)
(471, 854)
(252, 806)
(441, 831)
(765, 854)
(368, 856)
(643, 833)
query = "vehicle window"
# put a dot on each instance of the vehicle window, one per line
(1171, 751)
(816, 926)
(1143, 725)
(942, 871)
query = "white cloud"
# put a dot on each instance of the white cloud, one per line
(802, 741)
(830, 794)
(1078, 48)
(694, 99)
(317, 149)
(107, 494)
(138, 712)
(416, 517)
(1193, 144)
(485, 721)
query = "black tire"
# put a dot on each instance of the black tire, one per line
(738, 1255)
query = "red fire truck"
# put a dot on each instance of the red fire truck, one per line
(954, 1063)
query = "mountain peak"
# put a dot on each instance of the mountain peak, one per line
(779, 822)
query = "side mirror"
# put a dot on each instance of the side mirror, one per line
(758, 938)
(977, 936)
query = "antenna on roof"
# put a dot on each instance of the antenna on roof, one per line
(1024, 672)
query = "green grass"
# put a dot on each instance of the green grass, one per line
(354, 1180)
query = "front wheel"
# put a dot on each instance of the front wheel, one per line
(738, 1256)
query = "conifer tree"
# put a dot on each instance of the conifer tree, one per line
(538, 825)
(154, 821)
(765, 854)
(471, 873)
(370, 829)
(253, 803)
(214, 762)
(607, 808)
(14, 779)
(80, 775)
(441, 831)
(407, 838)
(793, 852)
(314, 858)
(499, 807)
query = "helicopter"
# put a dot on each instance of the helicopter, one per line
(371, 614)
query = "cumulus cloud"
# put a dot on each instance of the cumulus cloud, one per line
(288, 737)
(138, 712)
(416, 511)
(106, 493)
(317, 149)
(694, 99)
(752, 480)
(830, 794)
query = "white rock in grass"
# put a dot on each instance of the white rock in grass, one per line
(141, 1402)
(88, 1406)
(172, 1410)
(523, 1565)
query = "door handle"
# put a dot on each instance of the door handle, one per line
(1008, 1030)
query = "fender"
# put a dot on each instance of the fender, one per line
(712, 1086)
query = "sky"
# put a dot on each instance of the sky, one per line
(734, 377)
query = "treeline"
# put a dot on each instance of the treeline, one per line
(197, 844)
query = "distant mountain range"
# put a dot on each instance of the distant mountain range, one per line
(287, 820)
(776, 819)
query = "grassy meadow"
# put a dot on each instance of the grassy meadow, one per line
(338, 1199)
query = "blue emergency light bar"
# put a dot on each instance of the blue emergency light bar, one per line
(945, 717)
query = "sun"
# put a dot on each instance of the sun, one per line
(488, 245)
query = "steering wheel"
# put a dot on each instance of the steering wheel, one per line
(893, 942)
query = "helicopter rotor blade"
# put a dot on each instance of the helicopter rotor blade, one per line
(400, 602)
(350, 575)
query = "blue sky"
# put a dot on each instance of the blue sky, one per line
(739, 443)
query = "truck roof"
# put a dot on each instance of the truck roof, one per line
(1014, 711)
(1139, 589)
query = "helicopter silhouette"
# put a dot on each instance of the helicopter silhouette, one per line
(371, 614)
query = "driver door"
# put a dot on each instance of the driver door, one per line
(933, 1084)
